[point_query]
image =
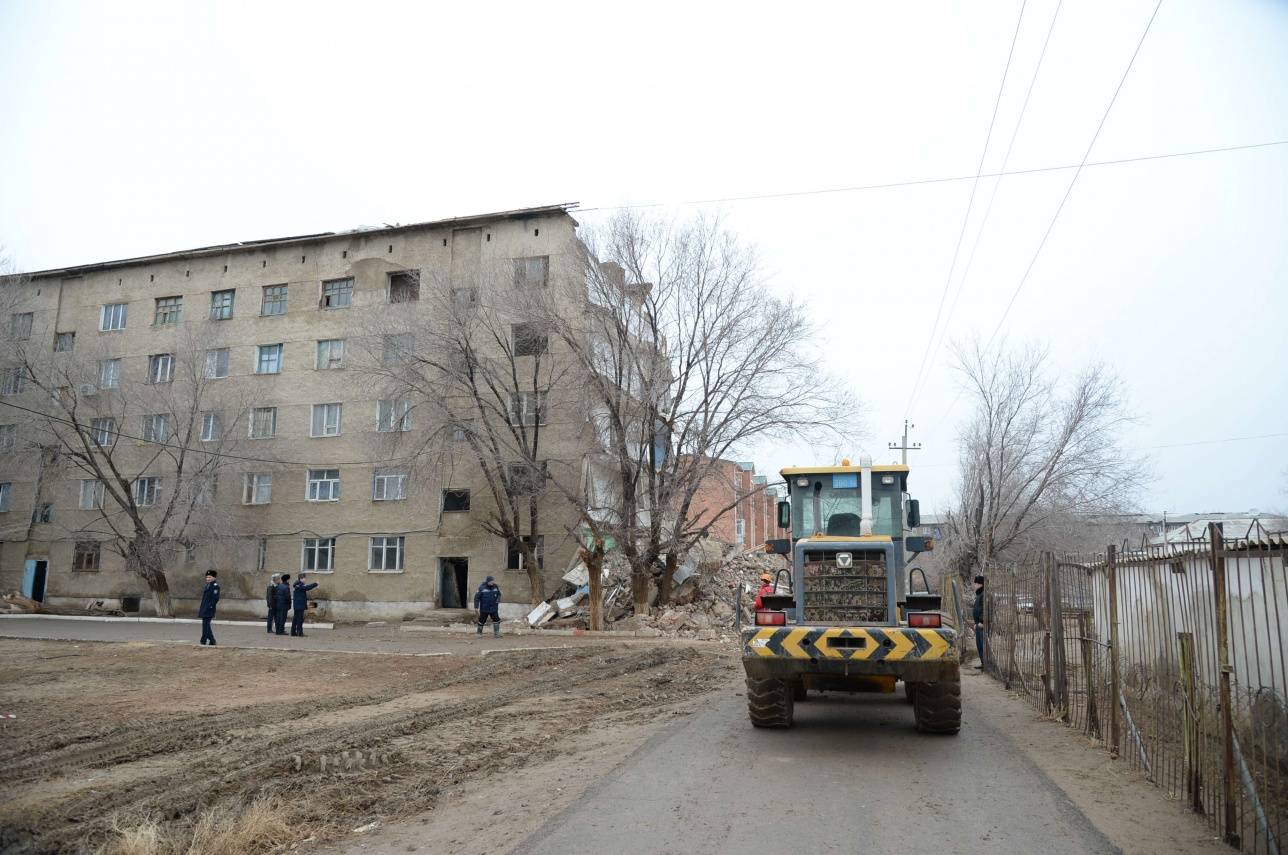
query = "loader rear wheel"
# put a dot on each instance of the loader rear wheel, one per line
(938, 706)
(770, 702)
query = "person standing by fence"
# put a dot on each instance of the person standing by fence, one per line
(977, 617)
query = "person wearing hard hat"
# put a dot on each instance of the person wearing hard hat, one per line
(766, 589)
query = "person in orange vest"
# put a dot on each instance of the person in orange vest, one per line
(766, 589)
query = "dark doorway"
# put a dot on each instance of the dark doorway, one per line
(33, 579)
(453, 582)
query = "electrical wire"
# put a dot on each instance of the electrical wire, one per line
(970, 204)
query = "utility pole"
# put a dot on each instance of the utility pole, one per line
(904, 446)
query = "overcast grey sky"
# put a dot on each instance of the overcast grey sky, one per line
(132, 128)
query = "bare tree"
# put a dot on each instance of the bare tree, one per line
(687, 358)
(148, 444)
(1037, 458)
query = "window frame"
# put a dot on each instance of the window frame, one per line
(384, 476)
(103, 426)
(97, 494)
(396, 542)
(6, 496)
(404, 419)
(274, 299)
(540, 341)
(313, 420)
(114, 375)
(522, 279)
(332, 362)
(513, 553)
(157, 361)
(13, 382)
(345, 288)
(252, 482)
(519, 409)
(209, 418)
(146, 487)
(218, 311)
(20, 324)
(93, 548)
(251, 422)
(313, 485)
(150, 432)
(397, 348)
(413, 276)
(261, 350)
(61, 337)
(217, 357)
(320, 546)
(108, 312)
(168, 311)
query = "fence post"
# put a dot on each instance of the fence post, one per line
(1193, 764)
(1216, 540)
(1115, 732)
(1089, 671)
(1060, 685)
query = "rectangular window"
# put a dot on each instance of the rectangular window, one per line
(740, 531)
(261, 556)
(514, 557)
(263, 422)
(404, 287)
(319, 555)
(324, 485)
(456, 500)
(326, 420)
(146, 491)
(109, 374)
(87, 555)
(20, 326)
(217, 363)
(8, 438)
(531, 272)
(203, 491)
(396, 349)
(161, 368)
(464, 299)
(530, 339)
(5, 489)
(337, 294)
(64, 342)
(92, 492)
(274, 300)
(112, 317)
(528, 408)
(388, 485)
(156, 427)
(525, 479)
(103, 431)
(393, 414)
(169, 310)
(44, 513)
(221, 304)
(14, 381)
(257, 488)
(386, 554)
(330, 354)
(212, 427)
(268, 359)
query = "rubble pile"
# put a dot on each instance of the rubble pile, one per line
(708, 586)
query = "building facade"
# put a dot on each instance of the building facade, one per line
(328, 472)
(742, 504)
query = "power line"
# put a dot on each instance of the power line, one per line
(198, 450)
(988, 211)
(1068, 190)
(941, 180)
(970, 203)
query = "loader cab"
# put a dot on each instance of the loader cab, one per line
(847, 501)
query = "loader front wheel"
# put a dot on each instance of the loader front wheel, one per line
(938, 706)
(770, 702)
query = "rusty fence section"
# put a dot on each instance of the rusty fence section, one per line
(1172, 656)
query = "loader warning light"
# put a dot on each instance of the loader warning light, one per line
(771, 618)
(925, 620)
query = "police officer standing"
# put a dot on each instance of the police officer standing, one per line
(301, 604)
(209, 599)
(271, 597)
(282, 603)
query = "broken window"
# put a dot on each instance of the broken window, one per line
(529, 339)
(169, 310)
(274, 300)
(324, 485)
(531, 272)
(337, 294)
(404, 287)
(319, 554)
(386, 554)
(525, 479)
(20, 326)
(87, 556)
(456, 500)
(388, 485)
(514, 556)
(221, 304)
(44, 513)
(64, 342)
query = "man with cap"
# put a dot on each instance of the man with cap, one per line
(271, 597)
(766, 589)
(487, 600)
(977, 617)
(281, 603)
(301, 604)
(209, 599)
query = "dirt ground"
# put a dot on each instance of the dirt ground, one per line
(332, 742)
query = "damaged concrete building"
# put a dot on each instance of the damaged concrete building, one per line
(321, 477)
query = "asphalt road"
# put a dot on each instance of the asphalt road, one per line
(852, 776)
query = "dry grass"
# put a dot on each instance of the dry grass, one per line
(257, 828)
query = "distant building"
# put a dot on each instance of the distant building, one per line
(742, 504)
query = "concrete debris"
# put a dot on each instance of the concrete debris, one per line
(16, 603)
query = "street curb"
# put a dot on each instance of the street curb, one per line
(187, 643)
(465, 628)
(112, 619)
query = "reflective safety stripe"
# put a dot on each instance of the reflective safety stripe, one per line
(854, 643)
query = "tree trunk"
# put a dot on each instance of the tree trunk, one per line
(666, 583)
(639, 588)
(594, 561)
(144, 558)
(536, 585)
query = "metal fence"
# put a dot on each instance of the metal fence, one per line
(1173, 656)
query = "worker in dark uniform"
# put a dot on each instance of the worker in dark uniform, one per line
(301, 604)
(977, 617)
(270, 597)
(487, 600)
(281, 603)
(209, 599)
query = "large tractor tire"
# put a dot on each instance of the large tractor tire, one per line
(770, 702)
(938, 706)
